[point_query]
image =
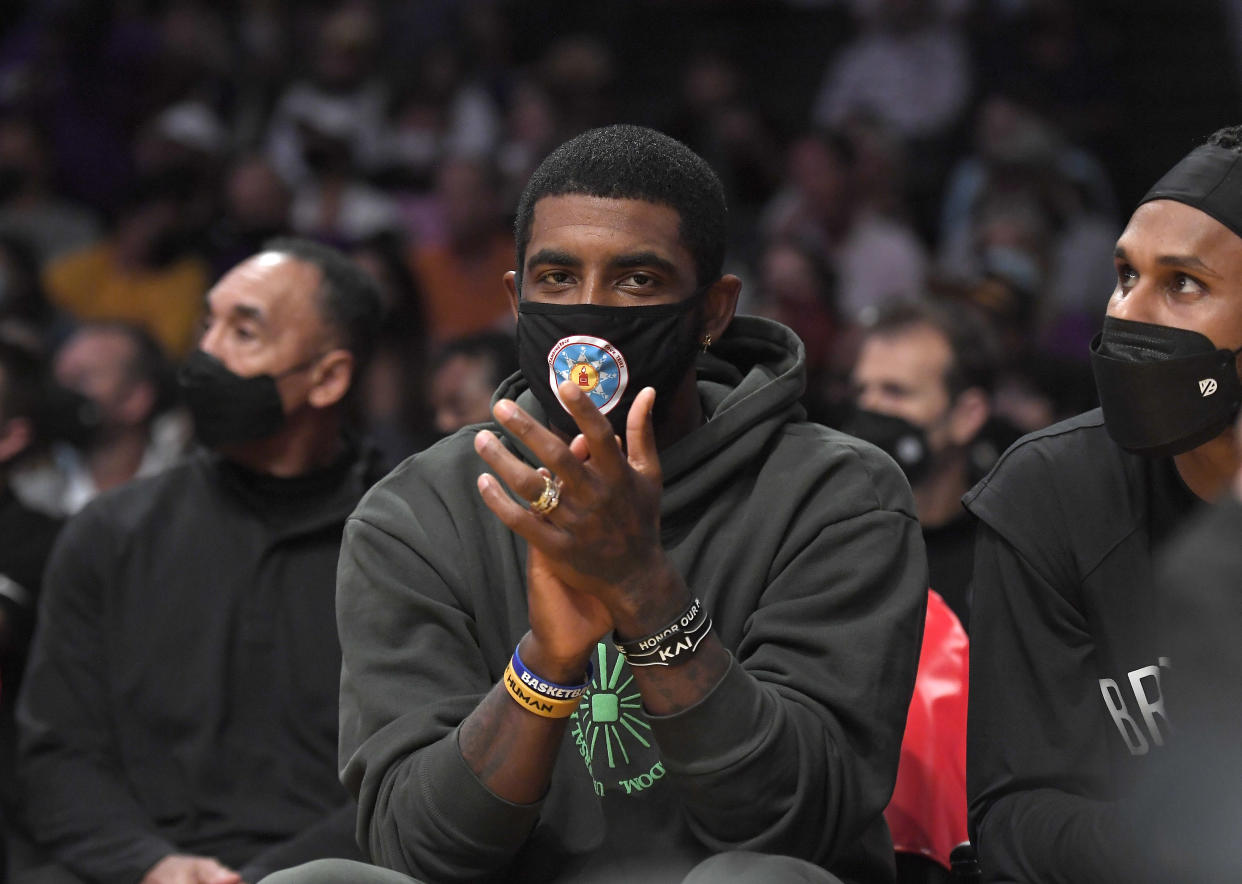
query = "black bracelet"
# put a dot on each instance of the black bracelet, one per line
(673, 644)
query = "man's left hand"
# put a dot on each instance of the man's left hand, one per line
(603, 536)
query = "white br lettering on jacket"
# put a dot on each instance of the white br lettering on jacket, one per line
(1144, 684)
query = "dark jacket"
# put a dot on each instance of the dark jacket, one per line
(801, 541)
(1066, 702)
(182, 691)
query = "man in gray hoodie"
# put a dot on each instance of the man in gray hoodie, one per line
(649, 618)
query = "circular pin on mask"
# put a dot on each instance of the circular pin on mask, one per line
(594, 365)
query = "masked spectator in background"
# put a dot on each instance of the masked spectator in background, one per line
(116, 424)
(179, 721)
(923, 386)
(1069, 640)
(466, 375)
(1031, 206)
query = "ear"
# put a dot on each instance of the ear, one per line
(968, 415)
(138, 403)
(510, 279)
(15, 434)
(719, 304)
(332, 378)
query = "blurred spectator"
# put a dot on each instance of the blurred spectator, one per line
(909, 64)
(255, 208)
(126, 431)
(88, 71)
(881, 160)
(719, 117)
(466, 375)
(924, 381)
(29, 208)
(144, 272)
(798, 288)
(28, 535)
(875, 258)
(445, 112)
(181, 698)
(343, 99)
(579, 72)
(1066, 53)
(332, 202)
(392, 392)
(530, 129)
(460, 274)
(1030, 206)
(1034, 388)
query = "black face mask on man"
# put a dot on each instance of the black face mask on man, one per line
(228, 407)
(1163, 390)
(901, 440)
(611, 353)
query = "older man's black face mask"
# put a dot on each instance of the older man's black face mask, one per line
(228, 407)
(611, 353)
(1163, 390)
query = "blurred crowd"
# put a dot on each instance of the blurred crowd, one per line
(896, 149)
(872, 149)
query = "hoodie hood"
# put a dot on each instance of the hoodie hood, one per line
(750, 384)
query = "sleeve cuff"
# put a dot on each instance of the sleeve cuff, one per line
(705, 737)
(457, 794)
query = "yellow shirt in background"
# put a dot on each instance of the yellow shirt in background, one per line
(91, 284)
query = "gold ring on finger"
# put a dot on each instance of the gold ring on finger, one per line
(549, 498)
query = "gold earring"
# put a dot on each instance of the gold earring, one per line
(706, 342)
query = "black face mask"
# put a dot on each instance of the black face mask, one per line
(1163, 390)
(901, 440)
(69, 416)
(228, 407)
(612, 353)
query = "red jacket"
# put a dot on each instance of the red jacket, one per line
(927, 813)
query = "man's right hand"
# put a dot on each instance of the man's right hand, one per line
(180, 869)
(565, 623)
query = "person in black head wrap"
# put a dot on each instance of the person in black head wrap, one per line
(1069, 645)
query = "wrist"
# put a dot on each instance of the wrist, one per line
(650, 605)
(564, 668)
(674, 643)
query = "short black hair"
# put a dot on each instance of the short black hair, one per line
(349, 299)
(497, 348)
(635, 163)
(971, 340)
(1230, 138)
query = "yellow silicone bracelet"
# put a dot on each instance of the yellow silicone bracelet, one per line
(544, 707)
